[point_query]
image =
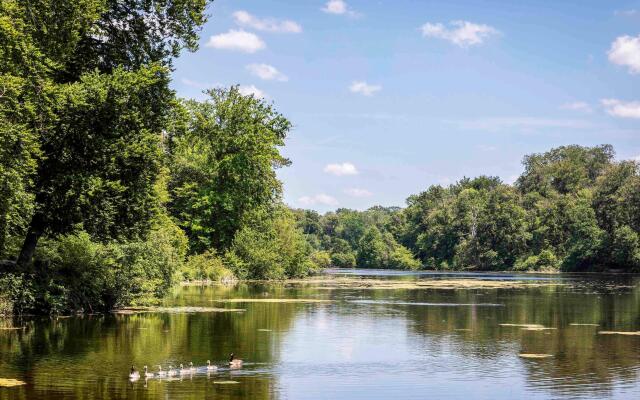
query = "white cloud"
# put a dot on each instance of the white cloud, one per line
(356, 192)
(249, 90)
(636, 158)
(341, 169)
(462, 33)
(577, 106)
(338, 7)
(266, 24)
(625, 51)
(321, 198)
(246, 42)
(364, 88)
(626, 13)
(266, 72)
(621, 109)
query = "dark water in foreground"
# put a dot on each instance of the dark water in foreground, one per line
(366, 344)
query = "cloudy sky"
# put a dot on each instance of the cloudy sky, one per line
(388, 97)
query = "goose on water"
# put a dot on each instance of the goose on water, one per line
(234, 362)
(183, 370)
(161, 372)
(147, 374)
(191, 367)
(172, 372)
(211, 367)
(134, 374)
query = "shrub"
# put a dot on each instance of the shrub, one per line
(343, 260)
(401, 258)
(206, 267)
(75, 273)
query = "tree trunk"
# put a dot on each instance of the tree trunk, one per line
(36, 229)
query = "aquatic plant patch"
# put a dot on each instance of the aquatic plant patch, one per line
(6, 382)
(175, 310)
(624, 333)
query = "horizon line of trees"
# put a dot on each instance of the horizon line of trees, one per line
(574, 208)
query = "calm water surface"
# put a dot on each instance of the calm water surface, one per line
(365, 344)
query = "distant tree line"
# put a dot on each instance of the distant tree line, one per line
(573, 208)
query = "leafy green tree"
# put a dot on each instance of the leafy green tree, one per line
(270, 247)
(223, 166)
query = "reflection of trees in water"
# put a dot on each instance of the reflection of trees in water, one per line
(89, 357)
(583, 362)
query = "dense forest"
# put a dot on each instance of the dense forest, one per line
(573, 208)
(112, 188)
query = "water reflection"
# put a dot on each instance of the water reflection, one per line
(364, 344)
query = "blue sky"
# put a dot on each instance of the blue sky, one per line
(388, 97)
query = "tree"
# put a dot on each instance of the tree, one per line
(223, 166)
(64, 55)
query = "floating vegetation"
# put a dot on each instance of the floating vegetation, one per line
(174, 310)
(4, 382)
(272, 301)
(450, 284)
(526, 326)
(407, 303)
(225, 382)
(584, 324)
(534, 356)
(625, 333)
(538, 328)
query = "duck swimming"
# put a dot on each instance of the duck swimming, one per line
(211, 367)
(234, 362)
(134, 374)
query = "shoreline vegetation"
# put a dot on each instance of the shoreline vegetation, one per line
(113, 190)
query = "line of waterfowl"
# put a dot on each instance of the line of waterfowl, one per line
(134, 374)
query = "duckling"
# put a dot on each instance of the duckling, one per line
(191, 367)
(234, 362)
(183, 370)
(134, 375)
(172, 372)
(147, 374)
(211, 367)
(161, 372)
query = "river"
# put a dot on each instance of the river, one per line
(544, 338)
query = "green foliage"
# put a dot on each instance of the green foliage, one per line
(17, 294)
(546, 261)
(223, 165)
(271, 247)
(573, 209)
(206, 267)
(75, 273)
